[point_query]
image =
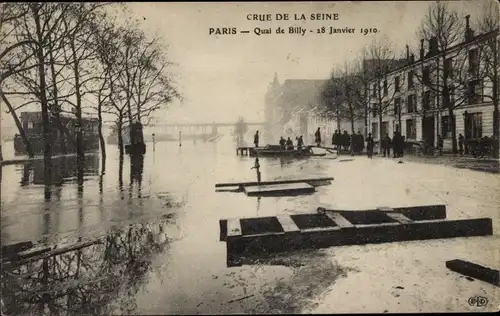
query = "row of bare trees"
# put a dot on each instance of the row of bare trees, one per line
(366, 85)
(76, 58)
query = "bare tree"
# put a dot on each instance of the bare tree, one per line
(445, 72)
(381, 61)
(332, 98)
(489, 24)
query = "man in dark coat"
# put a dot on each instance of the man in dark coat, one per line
(386, 146)
(317, 137)
(369, 145)
(256, 139)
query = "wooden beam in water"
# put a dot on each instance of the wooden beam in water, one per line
(52, 253)
(220, 185)
(415, 213)
(279, 189)
(340, 220)
(400, 218)
(287, 223)
(476, 271)
(234, 228)
(323, 237)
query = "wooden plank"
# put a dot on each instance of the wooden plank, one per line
(400, 218)
(340, 220)
(476, 271)
(416, 213)
(53, 253)
(363, 234)
(279, 189)
(219, 185)
(233, 228)
(385, 209)
(287, 223)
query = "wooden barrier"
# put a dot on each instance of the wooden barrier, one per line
(476, 271)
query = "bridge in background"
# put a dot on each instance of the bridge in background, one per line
(189, 130)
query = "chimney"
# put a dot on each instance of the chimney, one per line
(469, 33)
(412, 58)
(407, 52)
(422, 49)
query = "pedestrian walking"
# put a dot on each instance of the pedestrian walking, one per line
(460, 144)
(369, 145)
(386, 146)
(440, 144)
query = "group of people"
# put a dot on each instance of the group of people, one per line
(288, 143)
(355, 143)
(397, 143)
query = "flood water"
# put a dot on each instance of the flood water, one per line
(159, 230)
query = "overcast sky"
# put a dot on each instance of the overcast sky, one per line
(222, 77)
(226, 76)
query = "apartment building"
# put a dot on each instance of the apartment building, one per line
(419, 97)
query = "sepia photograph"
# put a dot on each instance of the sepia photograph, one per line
(187, 158)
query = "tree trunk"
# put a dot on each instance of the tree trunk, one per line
(120, 136)
(101, 137)
(19, 125)
(453, 126)
(47, 137)
(80, 151)
(56, 110)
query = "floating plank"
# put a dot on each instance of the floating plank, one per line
(476, 271)
(322, 237)
(287, 223)
(313, 180)
(415, 213)
(15, 248)
(279, 189)
(48, 254)
(340, 220)
(233, 228)
(400, 218)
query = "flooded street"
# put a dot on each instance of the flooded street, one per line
(159, 229)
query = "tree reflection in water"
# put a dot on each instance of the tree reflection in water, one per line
(99, 279)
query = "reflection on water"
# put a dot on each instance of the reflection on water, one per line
(98, 279)
(64, 170)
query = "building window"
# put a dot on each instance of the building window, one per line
(410, 79)
(426, 76)
(30, 124)
(473, 125)
(427, 101)
(384, 128)
(473, 61)
(412, 103)
(374, 110)
(448, 68)
(411, 130)
(374, 130)
(386, 89)
(475, 92)
(445, 127)
(397, 106)
(396, 84)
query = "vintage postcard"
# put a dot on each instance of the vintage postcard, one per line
(164, 158)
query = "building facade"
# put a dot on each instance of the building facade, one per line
(423, 98)
(292, 110)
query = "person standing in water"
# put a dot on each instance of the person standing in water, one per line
(256, 139)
